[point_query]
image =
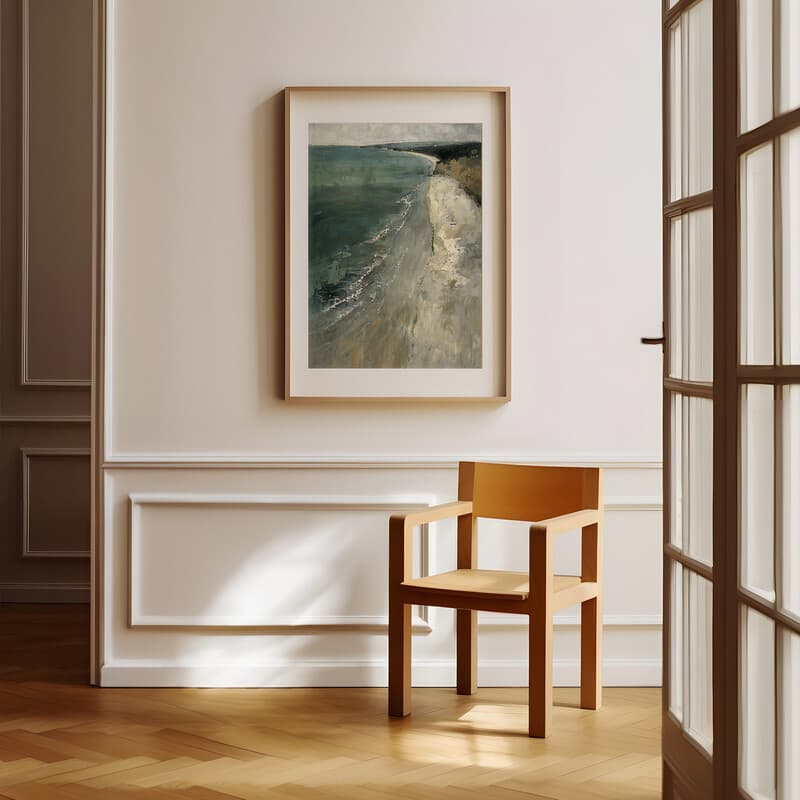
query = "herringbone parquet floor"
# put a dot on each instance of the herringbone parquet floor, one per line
(62, 740)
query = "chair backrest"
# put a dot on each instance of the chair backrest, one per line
(527, 493)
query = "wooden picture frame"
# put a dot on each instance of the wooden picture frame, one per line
(397, 260)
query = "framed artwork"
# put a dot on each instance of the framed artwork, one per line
(397, 243)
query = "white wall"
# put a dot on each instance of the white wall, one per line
(195, 320)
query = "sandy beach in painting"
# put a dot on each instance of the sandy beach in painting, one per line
(408, 294)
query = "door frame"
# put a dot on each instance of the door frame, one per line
(725, 638)
(97, 572)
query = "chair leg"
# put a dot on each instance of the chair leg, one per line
(399, 659)
(591, 654)
(466, 652)
(540, 673)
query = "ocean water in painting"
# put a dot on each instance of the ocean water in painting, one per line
(394, 246)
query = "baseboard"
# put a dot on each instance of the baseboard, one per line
(616, 672)
(44, 593)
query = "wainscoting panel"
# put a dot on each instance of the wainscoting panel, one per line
(55, 502)
(44, 468)
(55, 331)
(273, 571)
(275, 575)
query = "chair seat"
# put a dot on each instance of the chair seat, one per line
(499, 585)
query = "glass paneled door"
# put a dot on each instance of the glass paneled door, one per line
(731, 72)
(689, 221)
(767, 389)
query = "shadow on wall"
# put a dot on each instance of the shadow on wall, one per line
(268, 230)
(307, 584)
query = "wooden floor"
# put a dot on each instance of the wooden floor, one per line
(60, 739)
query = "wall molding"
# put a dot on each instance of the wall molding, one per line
(15, 419)
(27, 454)
(44, 592)
(420, 622)
(643, 503)
(103, 14)
(25, 378)
(367, 672)
(284, 502)
(279, 624)
(248, 461)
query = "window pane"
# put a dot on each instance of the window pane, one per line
(691, 296)
(690, 102)
(676, 262)
(676, 113)
(790, 241)
(791, 500)
(755, 63)
(700, 720)
(789, 56)
(757, 764)
(691, 475)
(757, 334)
(700, 467)
(701, 296)
(676, 641)
(699, 87)
(789, 722)
(758, 481)
(677, 432)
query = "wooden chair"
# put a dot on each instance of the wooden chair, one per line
(555, 500)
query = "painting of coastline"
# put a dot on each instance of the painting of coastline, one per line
(394, 243)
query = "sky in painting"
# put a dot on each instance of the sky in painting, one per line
(361, 133)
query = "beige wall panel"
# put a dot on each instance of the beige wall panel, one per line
(57, 172)
(56, 502)
(15, 569)
(45, 313)
(14, 399)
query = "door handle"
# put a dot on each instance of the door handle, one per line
(654, 339)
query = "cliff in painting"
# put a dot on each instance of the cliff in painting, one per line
(395, 246)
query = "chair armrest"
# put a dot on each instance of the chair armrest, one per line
(567, 522)
(459, 508)
(540, 551)
(401, 528)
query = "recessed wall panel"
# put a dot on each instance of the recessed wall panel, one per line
(56, 194)
(246, 561)
(56, 486)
